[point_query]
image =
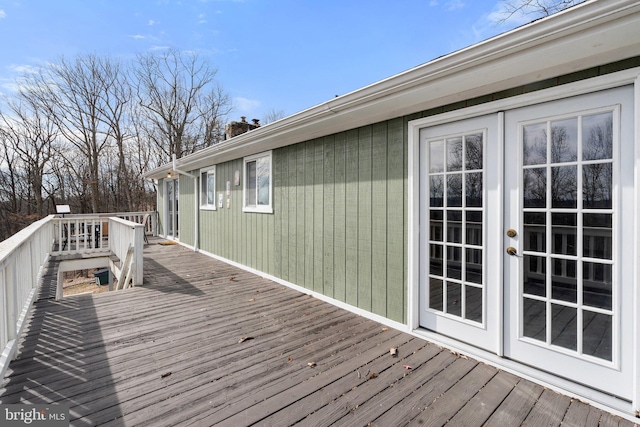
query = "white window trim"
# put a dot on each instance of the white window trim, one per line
(258, 208)
(204, 205)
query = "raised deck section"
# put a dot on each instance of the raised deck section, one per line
(205, 343)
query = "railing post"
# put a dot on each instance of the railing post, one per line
(138, 254)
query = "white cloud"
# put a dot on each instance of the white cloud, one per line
(246, 105)
(454, 5)
(3, 14)
(137, 36)
(152, 22)
(159, 47)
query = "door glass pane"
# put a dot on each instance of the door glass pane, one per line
(436, 227)
(597, 240)
(597, 335)
(473, 266)
(597, 285)
(535, 187)
(535, 144)
(535, 275)
(473, 151)
(563, 230)
(436, 261)
(564, 141)
(564, 180)
(454, 262)
(436, 156)
(436, 190)
(597, 136)
(597, 186)
(454, 154)
(454, 298)
(535, 231)
(563, 280)
(454, 190)
(436, 294)
(474, 228)
(454, 226)
(473, 303)
(473, 189)
(534, 314)
(564, 326)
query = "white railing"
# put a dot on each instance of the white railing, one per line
(22, 257)
(81, 234)
(151, 226)
(126, 235)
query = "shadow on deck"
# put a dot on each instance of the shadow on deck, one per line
(205, 343)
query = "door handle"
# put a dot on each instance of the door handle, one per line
(513, 251)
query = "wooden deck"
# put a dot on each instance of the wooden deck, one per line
(204, 343)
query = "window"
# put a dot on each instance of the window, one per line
(208, 188)
(257, 183)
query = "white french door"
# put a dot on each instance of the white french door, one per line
(569, 197)
(172, 196)
(526, 236)
(459, 267)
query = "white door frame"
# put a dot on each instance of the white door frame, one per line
(631, 76)
(169, 208)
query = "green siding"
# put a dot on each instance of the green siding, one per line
(244, 237)
(339, 225)
(186, 213)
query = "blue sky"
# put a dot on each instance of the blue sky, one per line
(284, 55)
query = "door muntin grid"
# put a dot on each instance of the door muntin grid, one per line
(567, 279)
(456, 278)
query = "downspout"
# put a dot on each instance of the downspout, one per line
(196, 193)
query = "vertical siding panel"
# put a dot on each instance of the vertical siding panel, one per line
(395, 221)
(292, 218)
(308, 214)
(379, 220)
(300, 212)
(233, 215)
(339, 242)
(278, 155)
(364, 218)
(329, 198)
(318, 215)
(351, 217)
(284, 214)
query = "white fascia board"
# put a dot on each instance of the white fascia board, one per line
(591, 34)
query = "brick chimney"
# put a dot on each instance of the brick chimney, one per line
(237, 128)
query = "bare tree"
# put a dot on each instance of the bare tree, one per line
(534, 8)
(72, 92)
(273, 115)
(181, 99)
(32, 136)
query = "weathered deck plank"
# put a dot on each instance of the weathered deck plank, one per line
(168, 353)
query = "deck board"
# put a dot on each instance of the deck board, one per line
(169, 353)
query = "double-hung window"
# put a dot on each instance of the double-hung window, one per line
(258, 195)
(208, 188)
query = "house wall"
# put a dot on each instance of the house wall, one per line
(339, 225)
(186, 210)
(243, 237)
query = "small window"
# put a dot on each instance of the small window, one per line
(208, 188)
(257, 183)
